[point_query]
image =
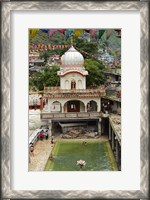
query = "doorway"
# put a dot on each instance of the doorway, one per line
(73, 106)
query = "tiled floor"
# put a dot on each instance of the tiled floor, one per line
(42, 151)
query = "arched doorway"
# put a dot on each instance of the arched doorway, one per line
(91, 106)
(56, 106)
(74, 106)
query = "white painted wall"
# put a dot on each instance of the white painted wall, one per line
(63, 103)
(65, 81)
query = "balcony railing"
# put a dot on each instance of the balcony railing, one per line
(70, 115)
(57, 90)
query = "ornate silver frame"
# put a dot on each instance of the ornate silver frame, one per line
(141, 6)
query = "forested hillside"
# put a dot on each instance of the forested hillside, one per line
(109, 40)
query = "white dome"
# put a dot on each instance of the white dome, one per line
(72, 58)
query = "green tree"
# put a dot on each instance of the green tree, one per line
(95, 70)
(84, 45)
(48, 77)
(45, 55)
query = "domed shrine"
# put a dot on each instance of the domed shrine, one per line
(72, 72)
(72, 101)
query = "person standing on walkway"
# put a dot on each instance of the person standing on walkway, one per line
(41, 136)
(52, 140)
(51, 156)
(46, 135)
(32, 150)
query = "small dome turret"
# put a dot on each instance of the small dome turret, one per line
(72, 58)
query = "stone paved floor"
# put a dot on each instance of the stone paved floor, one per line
(42, 151)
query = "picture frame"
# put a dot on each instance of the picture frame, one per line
(7, 110)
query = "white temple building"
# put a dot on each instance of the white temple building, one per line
(72, 101)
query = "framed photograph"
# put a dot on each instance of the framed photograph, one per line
(75, 99)
(75, 94)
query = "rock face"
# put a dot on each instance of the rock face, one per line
(90, 135)
(79, 133)
(66, 136)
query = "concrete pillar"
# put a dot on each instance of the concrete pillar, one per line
(113, 140)
(85, 107)
(109, 131)
(49, 106)
(99, 127)
(62, 108)
(117, 151)
(50, 127)
(99, 106)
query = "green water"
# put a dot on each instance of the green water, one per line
(97, 155)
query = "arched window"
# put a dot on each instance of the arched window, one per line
(73, 84)
(80, 84)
